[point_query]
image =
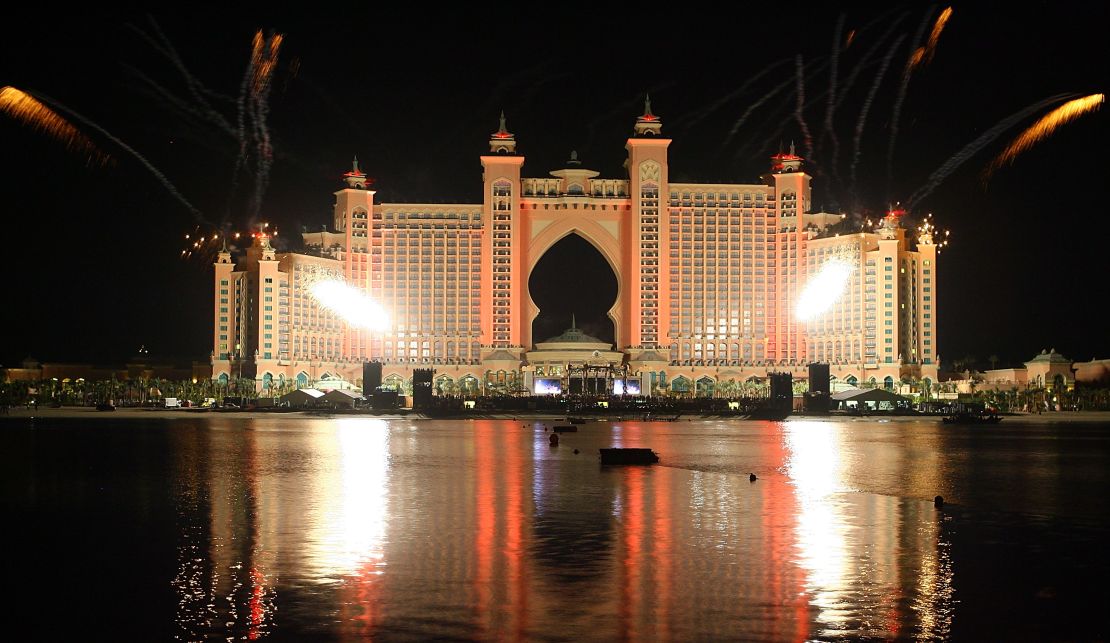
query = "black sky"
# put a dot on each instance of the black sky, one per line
(95, 271)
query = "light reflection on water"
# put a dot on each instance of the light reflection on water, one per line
(363, 527)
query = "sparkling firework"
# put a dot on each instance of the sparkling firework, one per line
(1044, 128)
(934, 36)
(25, 108)
(823, 290)
(969, 150)
(350, 303)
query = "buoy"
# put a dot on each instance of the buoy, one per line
(752, 478)
(554, 439)
(576, 452)
(938, 502)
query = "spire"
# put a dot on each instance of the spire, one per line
(502, 141)
(648, 124)
(356, 179)
(574, 158)
(792, 148)
(572, 322)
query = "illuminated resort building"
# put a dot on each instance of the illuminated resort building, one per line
(709, 278)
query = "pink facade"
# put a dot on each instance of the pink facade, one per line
(708, 276)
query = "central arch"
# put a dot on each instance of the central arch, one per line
(572, 277)
(600, 230)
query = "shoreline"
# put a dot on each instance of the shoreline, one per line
(83, 412)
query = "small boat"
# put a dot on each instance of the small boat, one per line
(577, 420)
(565, 428)
(628, 456)
(105, 406)
(972, 418)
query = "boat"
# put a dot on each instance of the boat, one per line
(565, 428)
(105, 406)
(577, 420)
(965, 417)
(628, 456)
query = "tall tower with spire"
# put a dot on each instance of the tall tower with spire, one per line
(504, 278)
(645, 233)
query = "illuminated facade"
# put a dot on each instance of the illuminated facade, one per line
(708, 278)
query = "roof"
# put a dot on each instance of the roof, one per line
(651, 356)
(311, 392)
(501, 356)
(354, 395)
(575, 335)
(868, 395)
(1050, 356)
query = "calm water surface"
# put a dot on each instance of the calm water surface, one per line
(349, 528)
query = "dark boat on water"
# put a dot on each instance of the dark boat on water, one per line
(105, 406)
(628, 456)
(577, 420)
(565, 428)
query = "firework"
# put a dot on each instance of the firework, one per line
(350, 303)
(907, 72)
(979, 143)
(831, 103)
(25, 108)
(798, 114)
(867, 106)
(934, 36)
(823, 290)
(1044, 128)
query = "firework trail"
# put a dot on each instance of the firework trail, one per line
(264, 57)
(798, 113)
(934, 35)
(865, 60)
(949, 166)
(830, 106)
(201, 107)
(862, 122)
(756, 105)
(170, 187)
(31, 112)
(697, 118)
(907, 72)
(1044, 128)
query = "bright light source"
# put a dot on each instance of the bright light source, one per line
(350, 303)
(823, 289)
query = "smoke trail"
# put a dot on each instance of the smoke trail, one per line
(934, 36)
(23, 107)
(170, 187)
(865, 60)
(969, 150)
(754, 106)
(831, 104)
(907, 72)
(1043, 128)
(721, 102)
(798, 113)
(862, 122)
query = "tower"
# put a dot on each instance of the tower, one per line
(786, 336)
(503, 278)
(354, 220)
(644, 235)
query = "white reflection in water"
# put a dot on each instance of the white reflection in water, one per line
(815, 469)
(348, 535)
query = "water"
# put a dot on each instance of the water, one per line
(291, 528)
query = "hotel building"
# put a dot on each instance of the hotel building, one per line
(708, 279)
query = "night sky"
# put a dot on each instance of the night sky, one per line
(95, 269)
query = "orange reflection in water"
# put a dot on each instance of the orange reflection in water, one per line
(501, 584)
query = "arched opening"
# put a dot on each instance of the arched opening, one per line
(572, 277)
(888, 383)
(302, 379)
